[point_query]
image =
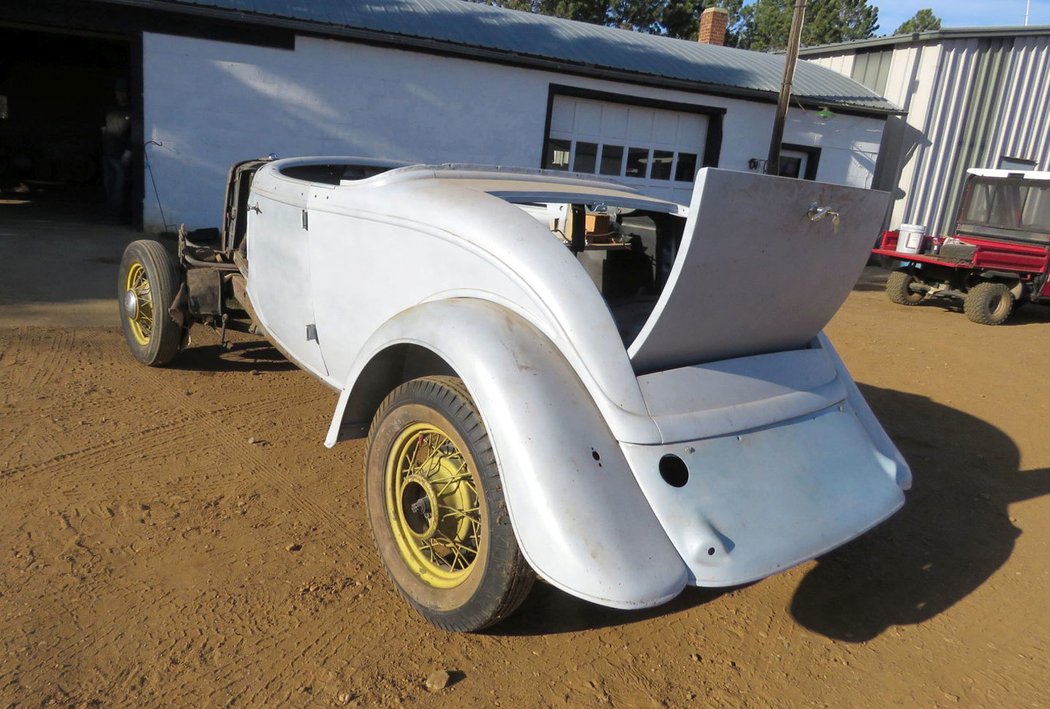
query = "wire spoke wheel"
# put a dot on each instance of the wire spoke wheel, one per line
(138, 303)
(145, 289)
(433, 507)
(436, 508)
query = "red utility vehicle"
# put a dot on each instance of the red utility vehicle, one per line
(998, 257)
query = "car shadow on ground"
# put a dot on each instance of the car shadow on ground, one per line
(953, 534)
(549, 611)
(239, 355)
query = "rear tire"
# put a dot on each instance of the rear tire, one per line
(436, 508)
(898, 288)
(146, 287)
(989, 303)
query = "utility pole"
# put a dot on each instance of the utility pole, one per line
(795, 38)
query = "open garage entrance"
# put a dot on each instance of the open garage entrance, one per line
(57, 91)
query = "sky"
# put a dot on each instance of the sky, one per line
(962, 13)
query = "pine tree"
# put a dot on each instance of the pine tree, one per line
(762, 25)
(923, 21)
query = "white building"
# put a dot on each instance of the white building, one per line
(977, 97)
(216, 81)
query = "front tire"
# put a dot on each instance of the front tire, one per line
(898, 288)
(989, 303)
(145, 290)
(436, 508)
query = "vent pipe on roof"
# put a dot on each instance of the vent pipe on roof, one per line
(713, 22)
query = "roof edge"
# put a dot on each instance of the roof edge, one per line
(929, 36)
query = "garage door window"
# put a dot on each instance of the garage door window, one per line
(685, 169)
(653, 147)
(586, 157)
(558, 154)
(612, 159)
(662, 161)
(641, 163)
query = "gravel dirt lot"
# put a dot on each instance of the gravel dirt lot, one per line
(181, 537)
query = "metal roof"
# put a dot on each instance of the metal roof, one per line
(523, 38)
(929, 36)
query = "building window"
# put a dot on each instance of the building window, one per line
(685, 169)
(558, 154)
(1008, 163)
(637, 163)
(662, 161)
(799, 161)
(791, 165)
(612, 159)
(586, 158)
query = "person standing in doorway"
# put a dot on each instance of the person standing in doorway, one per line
(116, 150)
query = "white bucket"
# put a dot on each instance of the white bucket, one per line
(909, 240)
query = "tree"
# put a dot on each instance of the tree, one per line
(762, 25)
(827, 22)
(923, 21)
(673, 18)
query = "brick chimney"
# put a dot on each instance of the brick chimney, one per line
(713, 23)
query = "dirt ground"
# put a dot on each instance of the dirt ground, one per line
(180, 537)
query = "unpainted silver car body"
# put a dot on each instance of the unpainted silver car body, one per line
(705, 434)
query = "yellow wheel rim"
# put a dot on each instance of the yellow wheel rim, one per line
(138, 304)
(433, 506)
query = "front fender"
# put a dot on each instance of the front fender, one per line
(580, 517)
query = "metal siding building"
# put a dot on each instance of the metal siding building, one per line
(974, 98)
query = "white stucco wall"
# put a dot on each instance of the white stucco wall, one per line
(210, 104)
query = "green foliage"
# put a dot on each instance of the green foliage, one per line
(762, 25)
(923, 21)
(768, 23)
(673, 18)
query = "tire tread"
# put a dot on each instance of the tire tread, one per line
(164, 279)
(489, 606)
(977, 305)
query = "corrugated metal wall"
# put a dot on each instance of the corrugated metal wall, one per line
(991, 99)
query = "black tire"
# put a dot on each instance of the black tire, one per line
(479, 577)
(989, 303)
(898, 288)
(145, 290)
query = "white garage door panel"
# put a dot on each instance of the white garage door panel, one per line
(656, 150)
(562, 117)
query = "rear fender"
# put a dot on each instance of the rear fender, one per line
(579, 515)
(891, 458)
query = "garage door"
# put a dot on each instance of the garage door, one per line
(655, 150)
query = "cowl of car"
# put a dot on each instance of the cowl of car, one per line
(557, 375)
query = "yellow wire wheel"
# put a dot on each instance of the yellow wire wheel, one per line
(138, 303)
(146, 287)
(432, 491)
(432, 505)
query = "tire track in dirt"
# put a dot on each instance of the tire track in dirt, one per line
(39, 359)
(276, 405)
(101, 456)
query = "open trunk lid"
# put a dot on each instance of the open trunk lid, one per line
(763, 265)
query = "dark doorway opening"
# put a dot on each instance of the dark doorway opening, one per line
(56, 90)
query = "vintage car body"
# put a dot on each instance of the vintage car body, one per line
(699, 430)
